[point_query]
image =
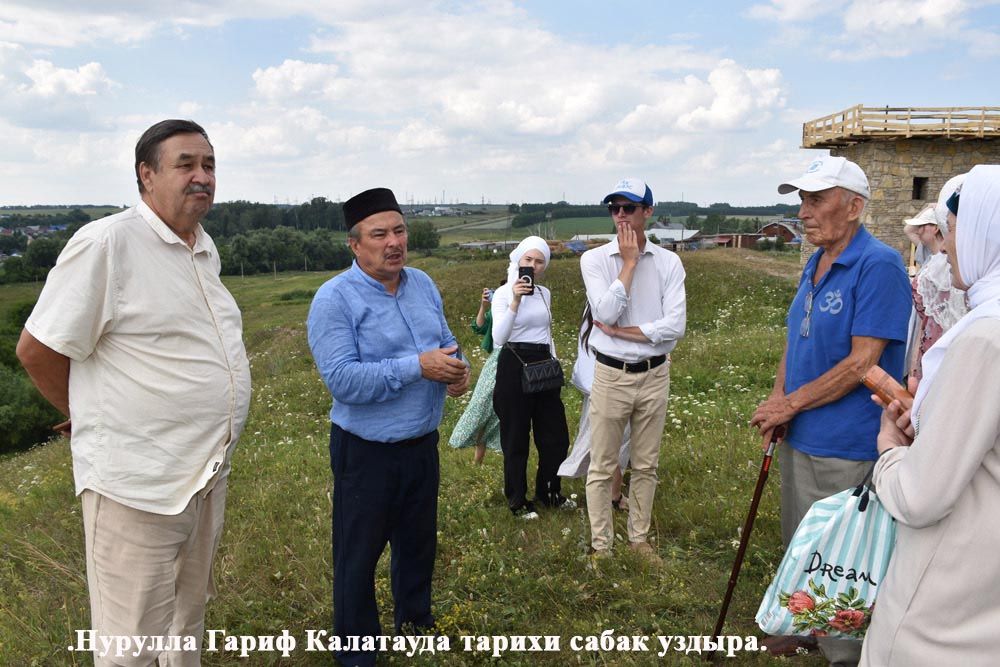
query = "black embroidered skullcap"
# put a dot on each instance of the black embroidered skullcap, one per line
(369, 202)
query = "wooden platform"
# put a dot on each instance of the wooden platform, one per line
(858, 124)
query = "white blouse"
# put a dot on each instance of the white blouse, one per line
(530, 324)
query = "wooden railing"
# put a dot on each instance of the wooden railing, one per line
(861, 123)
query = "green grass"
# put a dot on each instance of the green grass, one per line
(494, 575)
(16, 294)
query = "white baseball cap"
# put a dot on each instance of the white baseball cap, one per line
(830, 172)
(925, 217)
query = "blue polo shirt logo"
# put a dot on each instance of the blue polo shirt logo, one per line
(833, 303)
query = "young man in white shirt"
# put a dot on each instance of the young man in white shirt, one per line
(636, 294)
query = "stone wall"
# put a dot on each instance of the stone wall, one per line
(892, 165)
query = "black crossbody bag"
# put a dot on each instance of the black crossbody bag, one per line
(539, 376)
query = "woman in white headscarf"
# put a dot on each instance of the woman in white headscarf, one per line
(522, 324)
(938, 304)
(939, 603)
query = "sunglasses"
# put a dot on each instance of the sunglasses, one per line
(628, 208)
(804, 326)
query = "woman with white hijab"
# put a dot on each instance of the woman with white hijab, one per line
(938, 305)
(939, 603)
(522, 324)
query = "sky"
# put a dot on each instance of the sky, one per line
(450, 101)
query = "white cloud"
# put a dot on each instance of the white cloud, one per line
(188, 109)
(65, 23)
(732, 98)
(791, 10)
(419, 136)
(48, 81)
(37, 93)
(69, 26)
(898, 28)
(294, 78)
(895, 16)
(983, 43)
(883, 29)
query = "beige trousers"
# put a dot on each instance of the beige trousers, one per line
(619, 398)
(151, 574)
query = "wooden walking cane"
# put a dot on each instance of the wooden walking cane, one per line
(765, 467)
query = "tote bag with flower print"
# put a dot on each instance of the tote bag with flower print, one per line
(829, 577)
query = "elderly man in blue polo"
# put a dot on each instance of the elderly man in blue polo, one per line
(851, 311)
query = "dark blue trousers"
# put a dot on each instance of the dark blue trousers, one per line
(382, 493)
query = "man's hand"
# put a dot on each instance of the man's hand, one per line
(439, 366)
(456, 389)
(773, 412)
(632, 333)
(628, 244)
(608, 329)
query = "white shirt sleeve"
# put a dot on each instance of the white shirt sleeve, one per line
(77, 304)
(503, 316)
(605, 293)
(674, 302)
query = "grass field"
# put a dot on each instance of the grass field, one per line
(494, 575)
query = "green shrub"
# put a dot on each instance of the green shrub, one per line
(25, 417)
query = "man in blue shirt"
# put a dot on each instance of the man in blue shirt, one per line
(381, 343)
(851, 312)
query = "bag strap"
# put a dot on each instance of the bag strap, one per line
(863, 490)
(514, 352)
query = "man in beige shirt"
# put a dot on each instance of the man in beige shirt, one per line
(137, 340)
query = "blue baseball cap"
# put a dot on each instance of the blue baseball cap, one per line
(632, 189)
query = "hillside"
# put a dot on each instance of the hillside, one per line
(494, 575)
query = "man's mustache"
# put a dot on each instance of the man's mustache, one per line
(195, 188)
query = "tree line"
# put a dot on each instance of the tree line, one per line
(532, 214)
(251, 238)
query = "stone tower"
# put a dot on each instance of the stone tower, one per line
(908, 154)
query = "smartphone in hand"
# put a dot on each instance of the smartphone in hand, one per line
(526, 274)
